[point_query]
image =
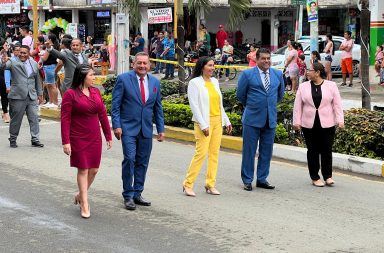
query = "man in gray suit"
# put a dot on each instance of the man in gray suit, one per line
(71, 58)
(23, 96)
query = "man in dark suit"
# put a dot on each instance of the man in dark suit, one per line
(136, 100)
(259, 90)
(71, 58)
(24, 93)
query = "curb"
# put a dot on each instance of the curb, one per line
(53, 113)
(344, 162)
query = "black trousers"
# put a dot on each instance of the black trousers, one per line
(4, 95)
(319, 143)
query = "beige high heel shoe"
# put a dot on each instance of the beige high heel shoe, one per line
(85, 215)
(329, 182)
(318, 183)
(212, 190)
(188, 191)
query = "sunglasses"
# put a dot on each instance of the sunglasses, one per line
(311, 70)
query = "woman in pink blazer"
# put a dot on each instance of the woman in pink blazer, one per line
(316, 112)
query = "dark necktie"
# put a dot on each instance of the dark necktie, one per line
(142, 90)
(266, 81)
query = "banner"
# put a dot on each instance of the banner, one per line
(159, 16)
(9, 6)
(312, 10)
(92, 2)
(40, 3)
(72, 30)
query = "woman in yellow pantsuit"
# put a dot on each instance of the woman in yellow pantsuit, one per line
(206, 103)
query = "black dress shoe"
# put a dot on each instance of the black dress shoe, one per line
(141, 201)
(13, 144)
(129, 204)
(265, 185)
(37, 144)
(248, 187)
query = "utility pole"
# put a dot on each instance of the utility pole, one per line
(122, 22)
(313, 19)
(314, 34)
(299, 20)
(179, 34)
(364, 67)
(35, 22)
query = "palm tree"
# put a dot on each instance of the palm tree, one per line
(237, 10)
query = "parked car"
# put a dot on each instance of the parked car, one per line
(278, 57)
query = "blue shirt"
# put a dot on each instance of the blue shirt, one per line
(171, 45)
(140, 47)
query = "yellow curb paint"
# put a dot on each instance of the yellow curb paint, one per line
(189, 64)
(382, 170)
(50, 113)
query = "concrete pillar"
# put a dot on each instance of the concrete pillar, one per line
(144, 26)
(200, 19)
(90, 23)
(274, 29)
(41, 18)
(112, 48)
(377, 27)
(75, 16)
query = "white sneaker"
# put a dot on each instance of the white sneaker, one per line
(226, 79)
(50, 105)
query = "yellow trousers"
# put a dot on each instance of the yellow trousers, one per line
(206, 145)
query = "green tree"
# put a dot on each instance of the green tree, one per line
(237, 11)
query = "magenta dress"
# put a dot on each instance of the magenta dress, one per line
(80, 127)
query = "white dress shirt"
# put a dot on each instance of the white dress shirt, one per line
(79, 57)
(146, 88)
(28, 67)
(262, 76)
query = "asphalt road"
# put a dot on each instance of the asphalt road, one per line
(37, 214)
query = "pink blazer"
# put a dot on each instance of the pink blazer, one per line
(330, 109)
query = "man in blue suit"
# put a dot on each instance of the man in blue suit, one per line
(136, 100)
(259, 90)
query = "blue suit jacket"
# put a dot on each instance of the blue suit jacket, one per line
(129, 113)
(258, 103)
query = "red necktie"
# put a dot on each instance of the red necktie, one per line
(142, 90)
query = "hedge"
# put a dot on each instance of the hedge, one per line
(363, 134)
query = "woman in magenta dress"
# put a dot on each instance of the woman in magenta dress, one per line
(82, 111)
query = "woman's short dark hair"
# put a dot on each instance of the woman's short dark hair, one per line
(198, 71)
(81, 72)
(317, 66)
(41, 39)
(299, 46)
(316, 54)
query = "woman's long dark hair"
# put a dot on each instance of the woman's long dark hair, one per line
(198, 71)
(317, 66)
(81, 72)
(54, 40)
(329, 36)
